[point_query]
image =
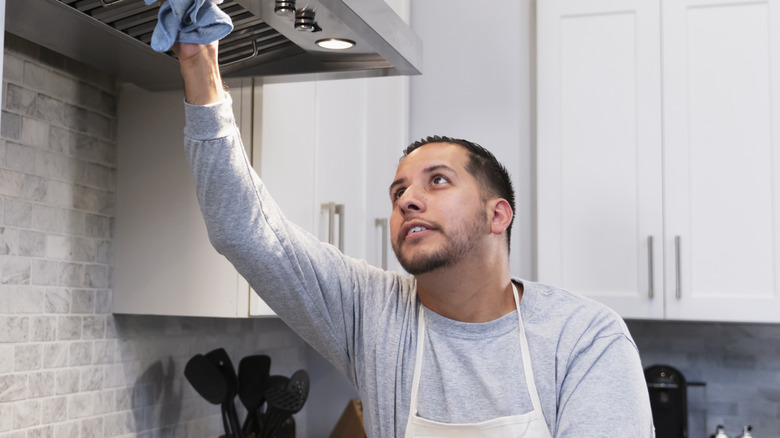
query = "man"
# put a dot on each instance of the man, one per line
(449, 351)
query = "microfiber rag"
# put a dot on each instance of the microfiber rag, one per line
(189, 21)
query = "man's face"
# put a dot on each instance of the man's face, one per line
(438, 214)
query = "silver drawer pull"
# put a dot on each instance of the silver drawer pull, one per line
(650, 291)
(339, 210)
(382, 222)
(678, 269)
(334, 209)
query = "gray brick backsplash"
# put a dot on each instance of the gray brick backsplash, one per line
(10, 182)
(41, 384)
(10, 125)
(20, 100)
(67, 381)
(55, 355)
(28, 357)
(69, 327)
(35, 132)
(94, 327)
(45, 272)
(6, 358)
(13, 69)
(34, 188)
(13, 387)
(90, 428)
(54, 408)
(14, 328)
(43, 328)
(71, 248)
(17, 213)
(79, 405)
(72, 274)
(41, 432)
(80, 354)
(82, 301)
(15, 270)
(27, 414)
(32, 243)
(56, 300)
(98, 226)
(67, 430)
(27, 299)
(20, 157)
(9, 241)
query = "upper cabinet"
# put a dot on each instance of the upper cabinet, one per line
(657, 154)
(320, 147)
(164, 263)
(326, 157)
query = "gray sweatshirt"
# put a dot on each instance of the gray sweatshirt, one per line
(364, 320)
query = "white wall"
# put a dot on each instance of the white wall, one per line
(476, 84)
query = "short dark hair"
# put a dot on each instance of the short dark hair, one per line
(493, 177)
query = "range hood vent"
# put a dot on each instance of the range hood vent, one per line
(115, 36)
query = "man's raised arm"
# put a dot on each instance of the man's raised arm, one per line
(200, 70)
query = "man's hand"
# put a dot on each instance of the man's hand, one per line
(200, 70)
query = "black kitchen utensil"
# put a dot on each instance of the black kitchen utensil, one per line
(208, 380)
(275, 381)
(284, 401)
(221, 359)
(252, 380)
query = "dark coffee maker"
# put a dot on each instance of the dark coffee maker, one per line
(668, 400)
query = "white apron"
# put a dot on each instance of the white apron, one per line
(531, 424)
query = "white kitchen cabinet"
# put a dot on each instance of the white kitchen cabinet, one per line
(164, 263)
(311, 144)
(331, 142)
(657, 150)
(722, 159)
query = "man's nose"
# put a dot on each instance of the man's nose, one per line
(411, 201)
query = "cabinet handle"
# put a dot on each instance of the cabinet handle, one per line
(339, 210)
(333, 210)
(382, 222)
(650, 291)
(678, 281)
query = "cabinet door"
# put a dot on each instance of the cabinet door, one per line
(164, 263)
(340, 172)
(722, 159)
(599, 222)
(314, 144)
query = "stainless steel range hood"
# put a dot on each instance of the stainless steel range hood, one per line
(114, 35)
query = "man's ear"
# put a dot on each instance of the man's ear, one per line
(501, 215)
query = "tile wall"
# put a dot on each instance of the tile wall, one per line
(68, 367)
(739, 363)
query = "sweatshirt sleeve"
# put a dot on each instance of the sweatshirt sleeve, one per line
(313, 287)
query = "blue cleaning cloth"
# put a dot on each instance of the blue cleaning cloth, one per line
(189, 21)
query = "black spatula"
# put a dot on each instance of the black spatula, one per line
(208, 380)
(252, 380)
(221, 359)
(285, 401)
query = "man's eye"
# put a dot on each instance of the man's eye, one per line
(439, 179)
(397, 194)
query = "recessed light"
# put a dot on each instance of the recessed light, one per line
(335, 44)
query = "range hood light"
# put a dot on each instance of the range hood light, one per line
(304, 21)
(335, 44)
(284, 7)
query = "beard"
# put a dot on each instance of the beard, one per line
(457, 246)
